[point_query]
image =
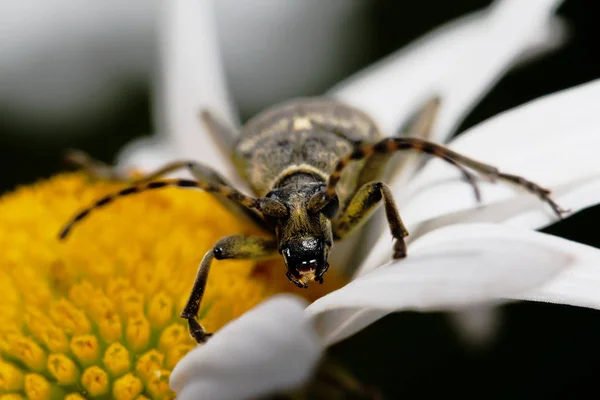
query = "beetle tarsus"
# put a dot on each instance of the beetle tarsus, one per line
(197, 332)
(399, 249)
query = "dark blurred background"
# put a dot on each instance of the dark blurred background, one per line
(541, 350)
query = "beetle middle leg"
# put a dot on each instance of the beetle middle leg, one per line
(222, 135)
(98, 169)
(391, 145)
(419, 127)
(230, 247)
(361, 206)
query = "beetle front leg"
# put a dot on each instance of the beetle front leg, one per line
(99, 170)
(362, 205)
(230, 247)
(395, 144)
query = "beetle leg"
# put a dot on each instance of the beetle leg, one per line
(390, 145)
(223, 135)
(94, 168)
(417, 126)
(210, 187)
(469, 177)
(361, 206)
(421, 124)
(201, 172)
(230, 247)
(98, 169)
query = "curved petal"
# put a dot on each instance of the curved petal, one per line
(146, 154)
(474, 51)
(455, 267)
(576, 287)
(460, 61)
(524, 210)
(192, 79)
(336, 325)
(270, 348)
(477, 325)
(552, 141)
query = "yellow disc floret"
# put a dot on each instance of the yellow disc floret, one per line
(97, 315)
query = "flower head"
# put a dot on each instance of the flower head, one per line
(465, 264)
(99, 314)
(112, 296)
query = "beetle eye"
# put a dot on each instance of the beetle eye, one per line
(331, 208)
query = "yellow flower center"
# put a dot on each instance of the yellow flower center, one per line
(96, 316)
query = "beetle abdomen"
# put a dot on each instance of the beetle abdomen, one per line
(301, 135)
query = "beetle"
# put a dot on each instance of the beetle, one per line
(315, 166)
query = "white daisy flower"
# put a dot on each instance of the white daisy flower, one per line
(460, 254)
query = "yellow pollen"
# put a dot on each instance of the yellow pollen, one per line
(86, 349)
(63, 369)
(11, 396)
(127, 387)
(171, 336)
(109, 326)
(79, 293)
(158, 385)
(132, 303)
(69, 317)
(116, 359)
(27, 351)
(74, 396)
(95, 381)
(160, 310)
(11, 378)
(37, 387)
(149, 363)
(176, 353)
(97, 315)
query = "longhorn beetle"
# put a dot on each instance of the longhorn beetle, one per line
(315, 166)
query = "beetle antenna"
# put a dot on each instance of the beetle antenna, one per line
(211, 187)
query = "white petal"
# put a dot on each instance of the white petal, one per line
(336, 325)
(146, 154)
(477, 325)
(455, 267)
(192, 79)
(575, 286)
(270, 348)
(550, 141)
(460, 61)
(524, 210)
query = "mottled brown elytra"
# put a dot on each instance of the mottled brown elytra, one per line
(316, 167)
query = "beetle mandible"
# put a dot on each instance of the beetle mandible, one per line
(315, 166)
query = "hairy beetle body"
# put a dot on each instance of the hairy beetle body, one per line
(315, 166)
(303, 136)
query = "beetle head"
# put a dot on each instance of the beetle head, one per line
(304, 231)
